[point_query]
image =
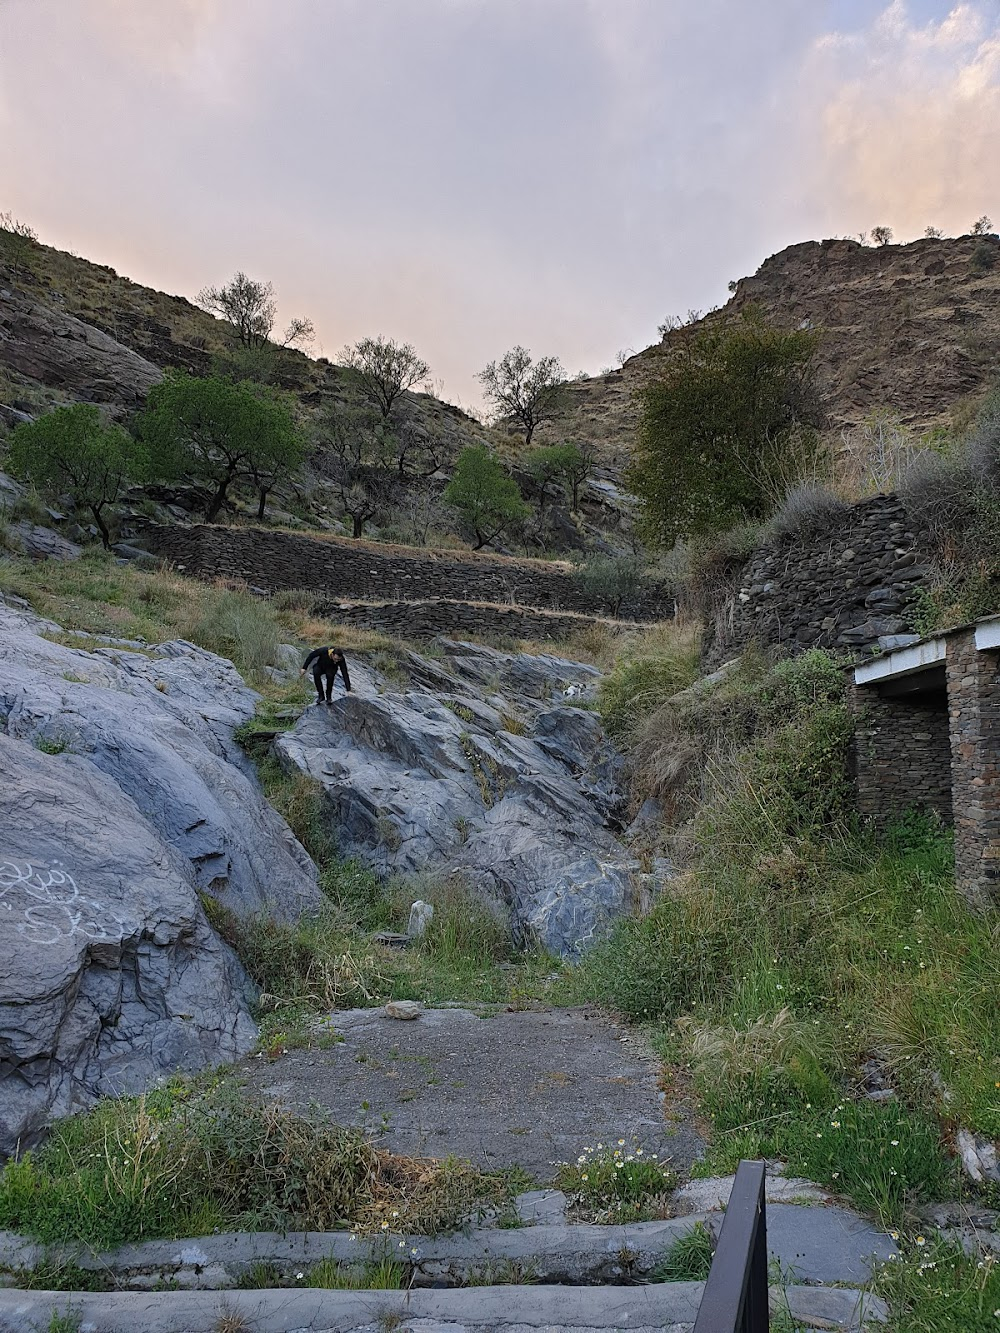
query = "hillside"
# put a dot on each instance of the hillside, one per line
(912, 328)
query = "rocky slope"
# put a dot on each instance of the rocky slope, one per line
(123, 797)
(913, 328)
(481, 762)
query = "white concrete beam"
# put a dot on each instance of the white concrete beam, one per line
(988, 634)
(903, 662)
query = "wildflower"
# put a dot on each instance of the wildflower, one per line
(402, 1244)
(921, 1240)
(414, 1252)
(638, 1152)
(895, 1143)
(395, 1212)
(299, 1276)
(621, 1143)
(385, 1226)
(835, 1124)
(894, 1235)
(836, 1175)
(819, 1134)
(584, 1176)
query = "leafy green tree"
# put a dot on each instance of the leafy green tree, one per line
(488, 500)
(528, 391)
(220, 432)
(73, 449)
(728, 427)
(568, 463)
(386, 369)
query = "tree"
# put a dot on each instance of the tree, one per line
(72, 449)
(611, 579)
(361, 445)
(982, 226)
(554, 462)
(933, 233)
(881, 235)
(219, 432)
(726, 429)
(486, 497)
(386, 370)
(529, 391)
(249, 306)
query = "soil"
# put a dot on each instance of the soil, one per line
(530, 1088)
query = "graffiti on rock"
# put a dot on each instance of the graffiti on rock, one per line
(51, 906)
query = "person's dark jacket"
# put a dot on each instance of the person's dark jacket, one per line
(327, 662)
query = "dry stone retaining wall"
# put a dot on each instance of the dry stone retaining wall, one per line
(847, 587)
(429, 619)
(341, 567)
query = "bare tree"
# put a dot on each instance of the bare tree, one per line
(881, 235)
(982, 226)
(386, 369)
(249, 306)
(358, 442)
(17, 240)
(933, 233)
(527, 390)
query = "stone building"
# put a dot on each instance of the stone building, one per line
(927, 735)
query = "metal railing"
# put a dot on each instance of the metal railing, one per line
(735, 1299)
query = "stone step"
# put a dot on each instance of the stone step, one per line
(818, 1244)
(665, 1307)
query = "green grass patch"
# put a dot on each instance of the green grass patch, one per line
(689, 1259)
(611, 1183)
(797, 945)
(934, 1287)
(192, 1158)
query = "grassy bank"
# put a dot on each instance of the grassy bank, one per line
(799, 953)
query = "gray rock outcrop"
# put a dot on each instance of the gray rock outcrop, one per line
(62, 352)
(482, 762)
(121, 798)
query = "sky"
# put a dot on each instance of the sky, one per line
(466, 175)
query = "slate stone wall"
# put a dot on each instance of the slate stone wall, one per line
(902, 755)
(426, 620)
(974, 716)
(845, 587)
(369, 571)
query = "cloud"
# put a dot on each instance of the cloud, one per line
(904, 120)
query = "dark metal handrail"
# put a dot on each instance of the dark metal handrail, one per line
(735, 1299)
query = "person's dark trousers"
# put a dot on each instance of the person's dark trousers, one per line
(321, 678)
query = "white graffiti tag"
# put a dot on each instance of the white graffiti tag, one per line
(52, 905)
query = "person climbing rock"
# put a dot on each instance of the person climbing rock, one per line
(326, 662)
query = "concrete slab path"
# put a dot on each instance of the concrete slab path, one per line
(528, 1088)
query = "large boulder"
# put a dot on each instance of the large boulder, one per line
(110, 974)
(480, 762)
(123, 797)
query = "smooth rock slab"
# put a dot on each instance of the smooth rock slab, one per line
(825, 1244)
(426, 774)
(531, 1088)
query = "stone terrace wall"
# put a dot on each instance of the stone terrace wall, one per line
(426, 620)
(844, 588)
(341, 567)
(902, 754)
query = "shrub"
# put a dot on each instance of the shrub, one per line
(183, 1161)
(983, 257)
(610, 580)
(808, 510)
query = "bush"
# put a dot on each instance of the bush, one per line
(183, 1162)
(809, 510)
